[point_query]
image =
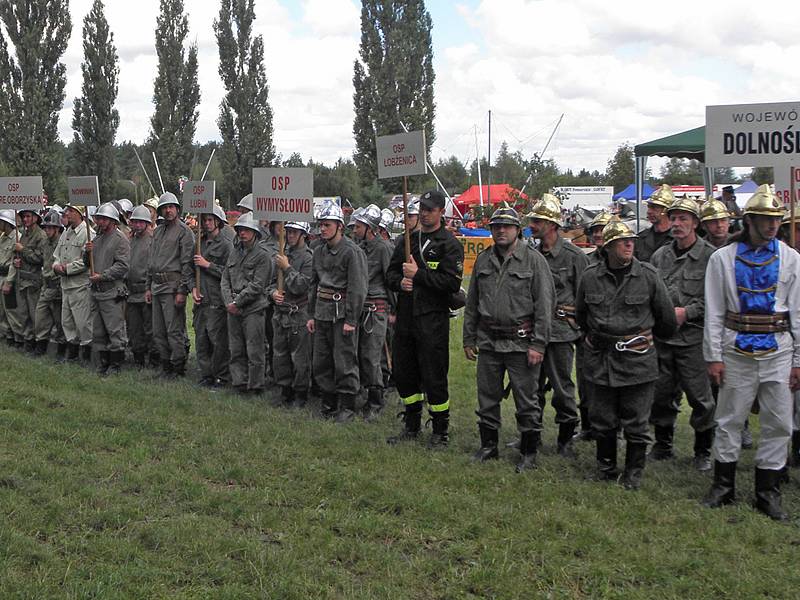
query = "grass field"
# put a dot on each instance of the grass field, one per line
(134, 488)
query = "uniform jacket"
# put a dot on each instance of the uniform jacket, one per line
(69, 252)
(378, 256)
(649, 241)
(51, 288)
(440, 258)
(6, 254)
(112, 254)
(341, 267)
(246, 277)
(215, 251)
(29, 274)
(684, 277)
(172, 252)
(140, 259)
(519, 289)
(296, 285)
(567, 263)
(641, 302)
(722, 296)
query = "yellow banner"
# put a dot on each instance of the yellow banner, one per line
(472, 247)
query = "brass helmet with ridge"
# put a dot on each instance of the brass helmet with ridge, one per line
(547, 209)
(713, 209)
(787, 218)
(685, 204)
(601, 219)
(505, 215)
(616, 230)
(662, 197)
(764, 202)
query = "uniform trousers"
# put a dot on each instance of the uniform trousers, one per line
(76, 315)
(48, 319)
(625, 406)
(492, 367)
(291, 350)
(139, 318)
(246, 343)
(108, 331)
(421, 354)
(371, 341)
(23, 318)
(169, 328)
(335, 358)
(211, 341)
(557, 369)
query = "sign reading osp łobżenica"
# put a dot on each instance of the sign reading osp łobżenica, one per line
(401, 155)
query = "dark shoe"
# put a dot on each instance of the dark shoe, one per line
(347, 412)
(329, 406)
(30, 347)
(41, 347)
(300, 399)
(723, 490)
(412, 421)
(768, 494)
(529, 444)
(702, 449)
(207, 382)
(154, 360)
(794, 455)
(662, 449)
(488, 449)
(86, 355)
(61, 351)
(514, 444)
(607, 456)
(167, 372)
(179, 369)
(374, 407)
(73, 353)
(103, 362)
(441, 422)
(115, 361)
(564, 444)
(635, 458)
(138, 360)
(585, 435)
(747, 437)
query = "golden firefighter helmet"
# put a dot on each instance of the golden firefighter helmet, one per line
(617, 230)
(764, 202)
(713, 209)
(547, 209)
(685, 204)
(662, 197)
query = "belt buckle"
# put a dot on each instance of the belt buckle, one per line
(336, 296)
(521, 333)
(293, 309)
(561, 313)
(623, 346)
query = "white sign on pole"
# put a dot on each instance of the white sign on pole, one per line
(283, 194)
(401, 155)
(198, 197)
(753, 135)
(21, 193)
(83, 191)
(782, 184)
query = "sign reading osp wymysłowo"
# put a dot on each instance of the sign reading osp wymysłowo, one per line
(753, 135)
(83, 191)
(283, 194)
(401, 155)
(21, 193)
(198, 197)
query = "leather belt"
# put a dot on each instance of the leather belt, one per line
(292, 306)
(167, 276)
(566, 312)
(104, 286)
(378, 305)
(638, 343)
(30, 275)
(518, 331)
(53, 283)
(748, 323)
(137, 287)
(331, 294)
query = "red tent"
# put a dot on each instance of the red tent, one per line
(501, 192)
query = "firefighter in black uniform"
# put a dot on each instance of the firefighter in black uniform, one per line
(422, 332)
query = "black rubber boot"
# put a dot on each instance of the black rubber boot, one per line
(794, 455)
(607, 456)
(154, 360)
(374, 406)
(488, 449)
(702, 449)
(329, 405)
(635, 458)
(167, 371)
(347, 409)
(283, 399)
(103, 362)
(179, 369)
(564, 443)
(30, 346)
(528, 446)
(585, 434)
(138, 360)
(115, 360)
(73, 353)
(300, 399)
(86, 355)
(768, 494)
(41, 347)
(61, 351)
(412, 420)
(662, 449)
(441, 422)
(723, 490)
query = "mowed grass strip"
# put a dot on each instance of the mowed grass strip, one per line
(129, 487)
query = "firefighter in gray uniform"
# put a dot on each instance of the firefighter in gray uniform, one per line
(507, 323)
(139, 314)
(209, 318)
(169, 279)
(291, 357)
(8, 223)
(658, 234)
(48, 307)
(682, 266)
(621, 304)
(76, 320)
(244, 292)
(111, 252)
(567, 263)
(338, 290)
(372, 329)
(26, 274)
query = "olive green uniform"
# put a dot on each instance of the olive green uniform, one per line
(111, 253)
(139, 314)
(48, 307)
(374, 316)
(75, 305)
(6, 255)
(28, 280)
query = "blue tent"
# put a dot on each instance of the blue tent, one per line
(629, 193)
(748, 187)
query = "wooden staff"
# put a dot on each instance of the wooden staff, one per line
(197, 251)
(281, 252)
(406, 233)
(792, 206)
(89, 239)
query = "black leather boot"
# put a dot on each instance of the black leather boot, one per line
(702, 449)
(564, 443)
(73, 353)
(167, 371)
(606, 456)
(412, 420)
(374, 406)
(723, 490)
(300, 399)
(441, 422)
(29, 346)
(329, 405)
(768, 494)
(138, 360)
(179, 368)
(115, 360)
(635, 458)
(347, 409)
(528, 447)
(488, 449)
(794, 454)
(61, 351)
(662, 449)
(103, 362)
(41, 347)
(86, 355)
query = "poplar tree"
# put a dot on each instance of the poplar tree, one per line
(33, 38)
(392, 78)
(245, 118)
(94, 118)
(176, 95)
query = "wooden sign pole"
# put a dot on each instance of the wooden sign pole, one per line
(792, 207)
(197, 251)
(407, 233)
(281, 252)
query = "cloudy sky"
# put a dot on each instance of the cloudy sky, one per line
(619, 71)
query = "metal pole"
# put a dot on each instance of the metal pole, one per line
(489, 166)
(152, 189)
(210, 158)
(161, 181)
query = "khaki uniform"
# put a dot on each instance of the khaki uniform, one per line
(374, 317)
(509, 310)
(75, 305)
(111, 254)
(244, 282)
(28, 279)
(139, 314)
(291, 341)
(6, 256)
(170, 272)
(48, 308)
(209, 318)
